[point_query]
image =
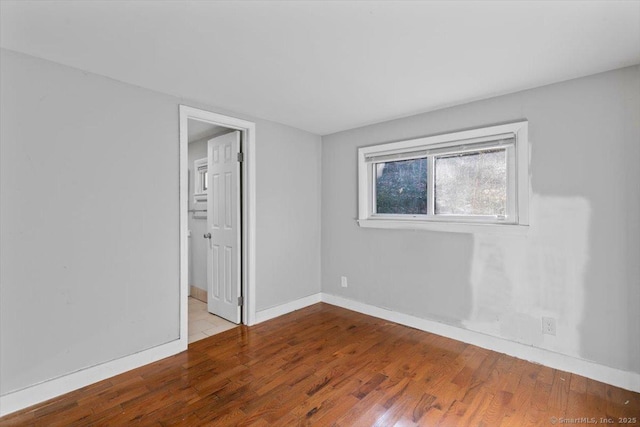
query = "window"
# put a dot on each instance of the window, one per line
(473, 177)
(201, 180)
(204, 178)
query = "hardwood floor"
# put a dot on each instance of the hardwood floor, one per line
(324, 365)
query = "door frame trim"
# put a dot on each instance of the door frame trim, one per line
(248, 218)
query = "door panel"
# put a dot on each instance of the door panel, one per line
(215, 185)
(223, 222)
(215, 259)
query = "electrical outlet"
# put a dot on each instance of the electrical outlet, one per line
(343, 281)
(549, 325)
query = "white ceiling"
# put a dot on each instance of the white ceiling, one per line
(329, 66)
(198, 130)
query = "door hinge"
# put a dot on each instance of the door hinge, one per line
(240, 301)
(241, 157)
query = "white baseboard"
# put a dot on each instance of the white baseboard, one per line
(37, 393)
(288, 307)
(46, 390)
(605, 374)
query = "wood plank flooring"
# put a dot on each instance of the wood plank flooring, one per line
(327, 366)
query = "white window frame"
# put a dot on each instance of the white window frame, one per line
(513, 137)
(200, 168)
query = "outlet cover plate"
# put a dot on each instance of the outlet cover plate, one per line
(549, 325)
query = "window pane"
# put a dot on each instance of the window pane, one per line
(471, 184)
(401, 187)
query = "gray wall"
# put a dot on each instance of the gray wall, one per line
(89, 218)
(288, 219)
(197, 226)
(578, 262)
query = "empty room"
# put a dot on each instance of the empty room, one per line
(327, 213)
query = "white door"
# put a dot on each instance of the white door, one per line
(223, 227)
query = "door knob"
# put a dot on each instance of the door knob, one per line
(207, 236)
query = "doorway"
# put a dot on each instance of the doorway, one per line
(217, 201)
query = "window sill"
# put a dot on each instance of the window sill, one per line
(452, 227)
(200, 198)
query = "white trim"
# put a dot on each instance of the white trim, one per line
(606, 374)
(441, 150)
(40, 392)
(517, 151)
(287, 307)
(248, 130)
(200, 168)
(46, 390)
(480, 228)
